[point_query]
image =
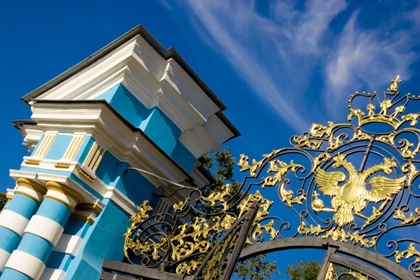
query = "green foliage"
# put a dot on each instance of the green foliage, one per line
(303, 271)
(3, 200)
(310, 270)
(221, 164)
(256, 268)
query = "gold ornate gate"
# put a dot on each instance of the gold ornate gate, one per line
(350, 188)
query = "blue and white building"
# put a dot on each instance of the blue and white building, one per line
(131, 104)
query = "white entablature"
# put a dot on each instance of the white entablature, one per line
(156, 78)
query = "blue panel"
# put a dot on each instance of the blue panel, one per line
(59, 146)
(9, 273)
(107, 95)
(183, 157)
(23, 205)
(59, 261)
(84, 149)
(110, 225)
(135, 186)
(76, 227)
(128, 106)
(85, 186)
(38, 144)
(162, 131)
(153, 122)
(84, 271)
(54, 210)
(109, 168)
(36, 246)
(9, 240)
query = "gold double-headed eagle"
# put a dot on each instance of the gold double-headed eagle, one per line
(351, 198)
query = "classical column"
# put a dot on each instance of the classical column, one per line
(14, 219)
(42, 233)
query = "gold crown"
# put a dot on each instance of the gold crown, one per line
(392, 107)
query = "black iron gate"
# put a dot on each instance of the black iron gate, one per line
(351, 189)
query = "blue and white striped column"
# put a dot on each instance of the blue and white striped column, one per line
(42, 233)
(13, 220)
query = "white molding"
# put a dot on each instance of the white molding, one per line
(4, 256)
(121, 200)
(13, 221)
(104, 125)
(46, 228)
(26, 264)
(107, 192)
(185, 86)
(68, 244)
(154, 81)
(53, 274)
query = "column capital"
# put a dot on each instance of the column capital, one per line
(63, 194)
(30, 189)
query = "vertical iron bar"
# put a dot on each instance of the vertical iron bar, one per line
(326, 262)
(243, 235)
(365, 156)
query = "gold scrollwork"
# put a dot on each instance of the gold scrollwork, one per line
(221, 196)
(337, 234)
(135, 220)
(244, 165)
(410, 170)
(358, 275)
(305, 141)
(410, 252)
(411, 219)
(280, 169)
(179, 206)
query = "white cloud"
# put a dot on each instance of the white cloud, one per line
(277, 53)
(367, 58)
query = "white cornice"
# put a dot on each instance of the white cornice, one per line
(154, 81)
(97, 119)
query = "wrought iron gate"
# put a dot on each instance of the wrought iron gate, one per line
(350, 188)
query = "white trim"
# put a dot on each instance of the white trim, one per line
(4, 256)
(68, 244)
(146, 75)
(52, 274)
(60, 196)
(30, 192)
(26, 264)
(13, 221)
(46, 228)
(121, 200)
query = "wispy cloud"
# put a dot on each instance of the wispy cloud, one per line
(366, 57)
(277, 52)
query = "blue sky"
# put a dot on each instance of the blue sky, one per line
(279, 66)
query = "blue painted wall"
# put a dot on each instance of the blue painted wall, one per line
(104, 240)
(59, 146)
(153, 122)
(131, 183)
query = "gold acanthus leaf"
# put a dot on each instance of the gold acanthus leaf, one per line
(244, 165)
(280, 169)
(336, 234)
(410, 252)
(220, 197)
(411, 219)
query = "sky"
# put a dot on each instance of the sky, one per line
(278, 66)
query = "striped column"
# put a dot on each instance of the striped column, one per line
(42, 233)
(13, 220)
